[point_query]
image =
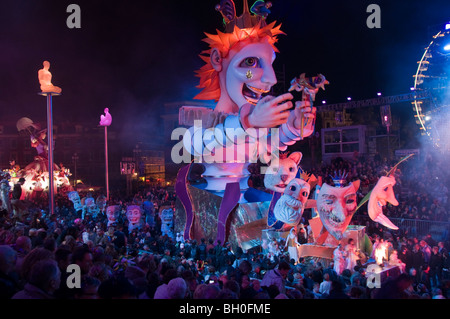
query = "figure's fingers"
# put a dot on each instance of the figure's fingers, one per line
(281, 98)
(283, 107)
(266, 99)
(282, 116)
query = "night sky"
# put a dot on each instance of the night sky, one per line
(133, 56)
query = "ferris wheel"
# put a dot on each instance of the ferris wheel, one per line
(433, 78)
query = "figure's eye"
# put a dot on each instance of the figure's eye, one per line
(293, 188)
(349, 201)
(328, 201)
(250, 62)
(305, 194)
(291, 169)
(385, 189)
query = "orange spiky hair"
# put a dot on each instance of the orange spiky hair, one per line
(224, 42)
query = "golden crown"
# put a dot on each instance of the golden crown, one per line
(257, 14)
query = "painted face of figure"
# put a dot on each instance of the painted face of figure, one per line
(133, 214)
(101, 202)
(90, 203)
(281, 172)
(289, 208)
(336, 207)
(75, 198)
(112, 213)
(248, 72)
(166, 216)
(382, 194)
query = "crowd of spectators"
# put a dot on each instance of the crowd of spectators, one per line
(36, 250)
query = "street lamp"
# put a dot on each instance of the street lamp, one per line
(75, 158)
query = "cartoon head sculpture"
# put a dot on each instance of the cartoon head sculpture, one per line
(166, 216)
(74, 197)
(112, 213)
(238, 67)
(380, 195)
(134, 215)
(89, 202)
(101, 202)
(336, 206)
(289, 208)
(281, 172)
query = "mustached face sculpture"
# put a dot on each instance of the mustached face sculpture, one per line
(336, 206)
(382, 194)
(289, 208)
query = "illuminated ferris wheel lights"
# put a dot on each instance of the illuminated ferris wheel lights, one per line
(447, 47)
(447, 26)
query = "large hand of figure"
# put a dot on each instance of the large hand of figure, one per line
(303, 110)
(271, 111)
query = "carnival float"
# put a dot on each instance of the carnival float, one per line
(247, 126)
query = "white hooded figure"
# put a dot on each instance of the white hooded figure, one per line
(292, 245)
(179, 238)
(339, 259)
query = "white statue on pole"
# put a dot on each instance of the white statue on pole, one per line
(105, 120)
(45, 79)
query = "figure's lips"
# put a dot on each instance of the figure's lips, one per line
(281, 185)
(334, 220)
(252, 94)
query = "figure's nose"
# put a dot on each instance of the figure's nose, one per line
(284, 177)
(269, 76)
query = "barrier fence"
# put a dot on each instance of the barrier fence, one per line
(439, 230)
(419, 228)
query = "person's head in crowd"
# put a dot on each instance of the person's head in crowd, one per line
(23, 244)
(82, 256)
(34, 256)
(8, 258)
(100, 271)
(45, 275)
(168, 275)
(63, 257)
(137, 277)
(233, 286)
(89, 288)
(294, 294)
(177, 288)
(284, 268)
(204, 291)
(50, 244)
(227, 293)
(117, 287)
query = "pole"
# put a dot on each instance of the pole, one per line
(106, 163)
(50, 155)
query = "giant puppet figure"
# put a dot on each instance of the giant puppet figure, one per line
(134, 214)
(246, 125)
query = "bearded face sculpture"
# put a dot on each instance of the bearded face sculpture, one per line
(336, 206)
(289, 208)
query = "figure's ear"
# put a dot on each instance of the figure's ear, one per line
(296, 157)
(356, 184)
(216, 59)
